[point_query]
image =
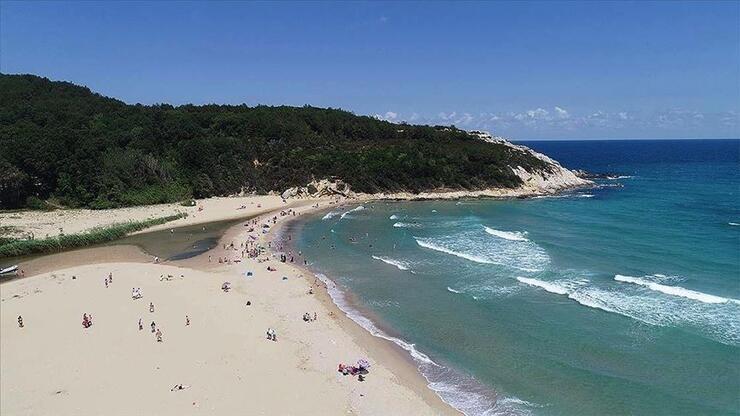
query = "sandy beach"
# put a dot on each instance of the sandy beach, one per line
(222, 359)
(70, 221)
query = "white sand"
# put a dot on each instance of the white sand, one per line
(44, 224)
(55, 366)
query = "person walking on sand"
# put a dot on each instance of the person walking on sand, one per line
(106, 283)
(151, 307)
(110, 277)
(20, 321)
(159, 335)
(141, 326)
(154, 327)
(187, 320)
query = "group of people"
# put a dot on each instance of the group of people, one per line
(359, 370)
(308, 318)
(271, 334)
(136, 293)
(109, 279)
(87, 320)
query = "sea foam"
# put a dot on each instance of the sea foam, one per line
(456, 389)
(360, 208)
(401, 265)
(406, 225)
(507, 235)
(672, 290)
(715, 320)
(339, 299)
(432, 246)
(330, 215)
(550, 287)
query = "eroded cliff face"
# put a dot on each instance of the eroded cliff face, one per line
(554, 178)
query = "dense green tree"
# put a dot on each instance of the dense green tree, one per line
(61, 140)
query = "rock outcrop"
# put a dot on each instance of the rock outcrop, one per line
(318, 189)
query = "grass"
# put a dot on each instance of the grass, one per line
(69, 241)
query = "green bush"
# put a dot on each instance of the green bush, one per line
(34, 202)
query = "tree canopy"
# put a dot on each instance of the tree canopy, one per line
(62, 141)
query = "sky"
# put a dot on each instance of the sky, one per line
(524, 70)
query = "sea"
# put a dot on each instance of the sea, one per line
(618, 299)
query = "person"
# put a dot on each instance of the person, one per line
(159, 335)
(106, 283)
(110, 277)
(151, 307)
(140, 325)
(187, 320)
(249, 303)
(20, 321)
(154, 327)
(179, 387)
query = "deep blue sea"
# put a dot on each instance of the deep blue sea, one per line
(622, 299)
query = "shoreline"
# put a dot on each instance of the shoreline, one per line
(405, 368)
(392, 371)
(469, 392)
(380, 340)
(375, 340)
(28, 222)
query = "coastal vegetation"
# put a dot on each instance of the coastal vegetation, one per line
(62, 142)
(18, 247)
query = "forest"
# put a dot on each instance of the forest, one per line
(64, 145)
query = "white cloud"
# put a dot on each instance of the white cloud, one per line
(561, 112)
(388, 116)
(557, 121)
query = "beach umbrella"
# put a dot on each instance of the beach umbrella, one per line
(363, 363)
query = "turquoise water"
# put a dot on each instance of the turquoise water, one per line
(622, 299)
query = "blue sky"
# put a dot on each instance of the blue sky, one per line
(519, 69)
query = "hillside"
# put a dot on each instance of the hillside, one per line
(63, 142)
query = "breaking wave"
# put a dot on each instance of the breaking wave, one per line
(449, 289)
(550, 287)
(430, 245)
(401, 265)
(330, 215)
(672, 290)
(511, 250)
(360, 208)
(407, 225)
(715, 320)
(507, 235)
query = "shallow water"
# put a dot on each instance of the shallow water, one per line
(171, 244)
(622, 299)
